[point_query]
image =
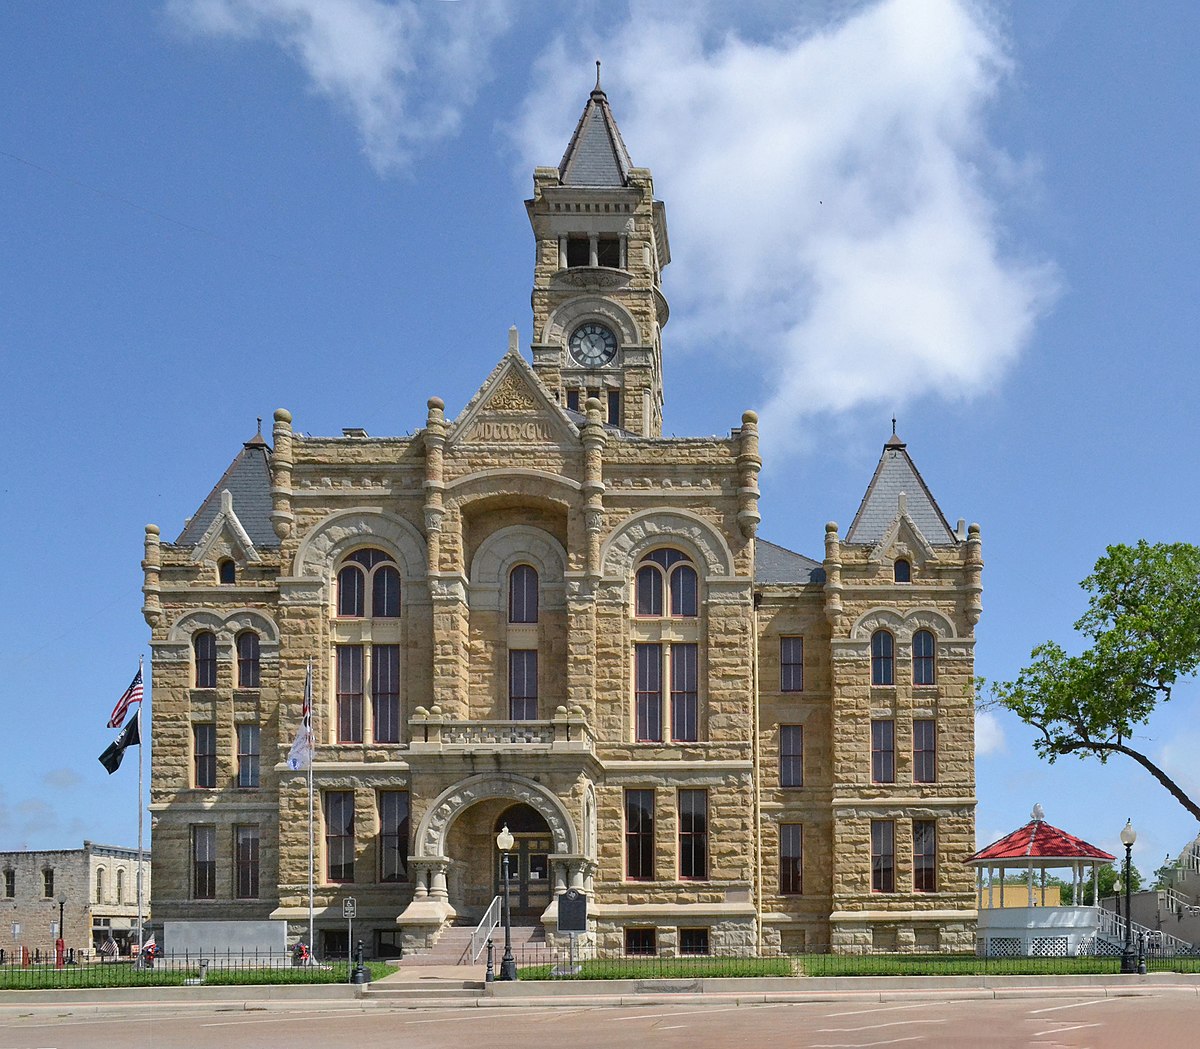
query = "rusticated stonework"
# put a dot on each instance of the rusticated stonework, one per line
(543, 614)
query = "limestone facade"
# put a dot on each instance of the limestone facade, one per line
(543, 612)
(96, 885)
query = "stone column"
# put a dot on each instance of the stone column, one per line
(151, 567)
(749, 464)
(833, 576)
(281, 475)
(974, 564)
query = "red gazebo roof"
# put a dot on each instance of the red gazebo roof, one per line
(1040, 841)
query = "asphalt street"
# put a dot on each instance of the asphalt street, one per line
(1171, 1019)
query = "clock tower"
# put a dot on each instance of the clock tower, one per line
(598, 306)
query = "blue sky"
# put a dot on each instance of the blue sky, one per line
(981, 218)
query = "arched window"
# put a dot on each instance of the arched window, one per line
(99, 884)
(902, 571)
(882, 658)
(682, 584)
(120, 886)
(227, 572)
(247, 657)
(352, 585)
(523, 595)
(924, 661)
(205, 646)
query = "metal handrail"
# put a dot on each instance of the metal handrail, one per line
(1112, 927)
(485, 928)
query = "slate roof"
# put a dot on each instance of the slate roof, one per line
(248, 480)
(776, 564)
(1040, 841)
(596, 154)
(897, 473)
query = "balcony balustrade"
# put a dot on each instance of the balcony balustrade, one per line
(433, 731)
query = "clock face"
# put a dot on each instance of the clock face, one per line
(593, 344)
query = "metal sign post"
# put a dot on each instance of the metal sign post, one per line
(349, 910)
(572, 919)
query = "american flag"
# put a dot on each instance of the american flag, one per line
(133, 694)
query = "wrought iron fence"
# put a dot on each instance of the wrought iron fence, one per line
(543, 962)
(23, 972)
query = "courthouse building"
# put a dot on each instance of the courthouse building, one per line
(540, 612)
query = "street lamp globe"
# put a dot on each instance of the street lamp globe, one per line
(505, 840)
(1128, 834)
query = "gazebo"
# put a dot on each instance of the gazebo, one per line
(1034, 929)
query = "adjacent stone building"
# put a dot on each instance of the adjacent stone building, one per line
(542, 613)
(93, 888)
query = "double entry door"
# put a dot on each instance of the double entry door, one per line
(528, 874)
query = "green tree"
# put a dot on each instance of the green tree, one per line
(1143, 619)
(1109, 874)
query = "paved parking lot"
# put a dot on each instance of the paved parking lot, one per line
(1170, 1018)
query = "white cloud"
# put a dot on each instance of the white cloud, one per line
(403, 70)
(827, 195)
(989, 734)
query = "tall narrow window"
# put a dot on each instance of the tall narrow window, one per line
(924, 750)
(245, 863)
(393, 835)
(648, 695)
(120, 885)
(639, 835)
(791, 664)
(351, 592)
(924, 661)
(48, 882)
(339, 835)
(247, 657)
(204, 754)
(385, 593)
(902, 571)
(684, 591)
(248, 755)
(883, 670)
(205, 645)
(99, 885)
(883, 856)
(693, 835)
(791, 859)
(573, 400)
(385, 692)
(614, 407)
(649, 591)
(350, 693)
(523, 685)
(685, 702)
(883, 751)
(523, 595)
(924, 856)
(226, 572)
(204, 862)
(608, 252)
(791, 756)
(10, 883)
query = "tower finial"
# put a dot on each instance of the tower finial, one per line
(893, 424)
(598, 87)
(260, 426)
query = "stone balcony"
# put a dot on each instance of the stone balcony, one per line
(433, 732)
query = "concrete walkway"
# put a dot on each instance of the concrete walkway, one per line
(458, 987)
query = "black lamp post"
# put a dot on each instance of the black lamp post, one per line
(508, 967)
(60, 946)
(1128, 955)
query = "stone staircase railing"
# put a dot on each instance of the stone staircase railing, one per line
(1113, 926)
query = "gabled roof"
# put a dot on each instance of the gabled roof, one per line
(1038, 840)
(777, 564)
(596, 155)
(896, 474)
(248, 481)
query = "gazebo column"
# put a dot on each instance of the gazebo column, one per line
(979, 887)
(1029, 882)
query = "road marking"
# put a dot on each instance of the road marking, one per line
(692, 1012)
(1060, 1030)
(863, 1045)
(875, 1027)
(1073, 1005)
(886, 1008)
(674, 1027)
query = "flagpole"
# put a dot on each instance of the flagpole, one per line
(308, 690)
(141, 807)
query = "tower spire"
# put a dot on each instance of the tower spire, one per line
(597, 89)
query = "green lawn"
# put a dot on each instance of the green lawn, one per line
(969, 965)
(122, 974)
(664, 969)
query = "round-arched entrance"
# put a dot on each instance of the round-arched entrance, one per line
(529, 883)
